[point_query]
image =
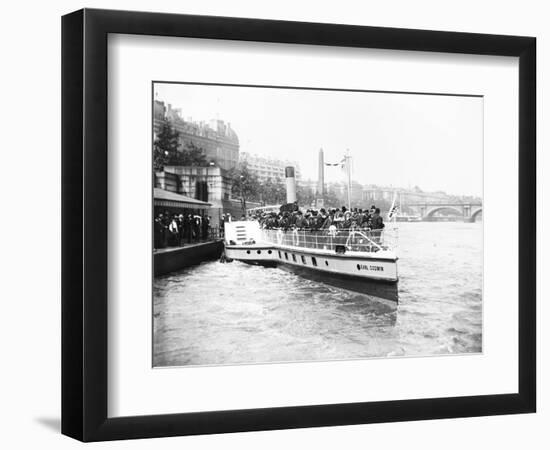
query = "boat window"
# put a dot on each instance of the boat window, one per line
(314, 261)
(293, 257)
(258, 251)
(286, 255)
(326, 263)
(280, 256)
(248, 252)
(269, 252)
(303, 259)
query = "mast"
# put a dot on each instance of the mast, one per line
(392, 213)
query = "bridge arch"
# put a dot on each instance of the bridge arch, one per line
(476, 213)
(432, 211)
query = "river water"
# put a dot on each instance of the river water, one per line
(235, 313)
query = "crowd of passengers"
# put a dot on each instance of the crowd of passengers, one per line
(322, 219)
(171, 229)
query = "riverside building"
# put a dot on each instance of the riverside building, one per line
(269, 168)
(216, 138)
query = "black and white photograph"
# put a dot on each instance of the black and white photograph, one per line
(275, 225)
(300, 224)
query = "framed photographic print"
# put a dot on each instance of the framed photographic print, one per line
(273, 224)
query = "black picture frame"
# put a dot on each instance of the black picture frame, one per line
(84, 224)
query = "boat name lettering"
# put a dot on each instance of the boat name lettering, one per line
(376, 268)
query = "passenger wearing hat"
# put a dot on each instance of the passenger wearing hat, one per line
(377, 222)
(300, 220)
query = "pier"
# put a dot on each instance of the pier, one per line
(190, 218)
(171, 259)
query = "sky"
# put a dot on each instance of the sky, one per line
(400, 140)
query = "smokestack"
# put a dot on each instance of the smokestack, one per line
(321, 176)
(290, 184)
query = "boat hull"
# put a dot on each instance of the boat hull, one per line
(362, 267)
(365, 275)
(355, 265)
(386, 290)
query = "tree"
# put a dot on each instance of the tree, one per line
(273, 191)
(332, 198)
(304, 195)
(165, 146)
(190, 155)
(244, 184)
(167, 150)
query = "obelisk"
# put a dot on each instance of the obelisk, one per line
(320, 194)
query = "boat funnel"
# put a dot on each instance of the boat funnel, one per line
(290, 184)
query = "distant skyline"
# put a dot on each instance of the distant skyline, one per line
(402, 140)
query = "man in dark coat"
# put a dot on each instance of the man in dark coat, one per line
(188, 219)
(196, 223)
(205, 226)
(159, 232)
(299, 220)
(181, 236)
(377, 223)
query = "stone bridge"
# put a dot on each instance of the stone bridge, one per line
(468, 211)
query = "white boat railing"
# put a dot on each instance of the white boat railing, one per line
(353, 239)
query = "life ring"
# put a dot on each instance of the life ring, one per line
(279, 237)
(295, 238)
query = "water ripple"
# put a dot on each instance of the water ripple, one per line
(235, 313)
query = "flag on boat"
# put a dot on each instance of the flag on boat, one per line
(341, 164)
(393, 210)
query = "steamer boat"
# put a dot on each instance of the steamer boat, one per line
(349, 253)
(355, 259)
